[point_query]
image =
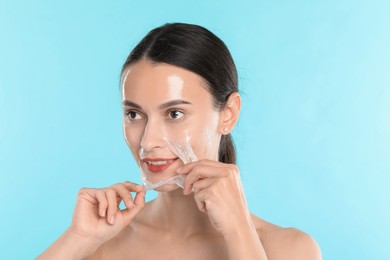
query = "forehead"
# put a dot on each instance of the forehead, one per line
(161, 82)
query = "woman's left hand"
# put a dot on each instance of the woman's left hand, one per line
(218, 192)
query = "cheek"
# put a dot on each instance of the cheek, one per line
(206, 141)
(210, 143)
(133, 138)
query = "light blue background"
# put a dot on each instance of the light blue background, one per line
(313, 139)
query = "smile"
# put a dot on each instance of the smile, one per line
(158, 165)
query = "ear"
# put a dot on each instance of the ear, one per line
(230, 113)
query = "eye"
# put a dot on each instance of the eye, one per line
(175, 114)
(133, 115)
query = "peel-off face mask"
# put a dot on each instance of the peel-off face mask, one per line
(177, 144)
(185, 153)
(169, 117)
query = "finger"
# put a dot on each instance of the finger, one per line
(200, 201)
(112, 205)
(185, 169)
(218, 170)
(102, 200)
(202, 184)
(131, 186)
(124, 195)
(208, 170)
(139, 201)
(201, 172)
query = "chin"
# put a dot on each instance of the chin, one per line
(167, 188)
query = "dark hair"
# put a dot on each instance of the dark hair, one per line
(198, 50)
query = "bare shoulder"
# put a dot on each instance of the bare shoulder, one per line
(286, 243)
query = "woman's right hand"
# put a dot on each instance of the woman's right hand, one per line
(97, 216)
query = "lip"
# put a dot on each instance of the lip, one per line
(157, 165)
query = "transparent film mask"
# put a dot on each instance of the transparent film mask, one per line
(181, 147)
(177, 138)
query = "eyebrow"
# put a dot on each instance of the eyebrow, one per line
(129, 103)
(162, 106)
(174, 103)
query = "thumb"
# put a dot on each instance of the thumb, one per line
(139, 203)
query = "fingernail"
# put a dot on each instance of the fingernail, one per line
(178, 170)
(112, 220)
(103, 213)
(130, 203)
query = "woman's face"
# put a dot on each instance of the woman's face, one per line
(165, 104)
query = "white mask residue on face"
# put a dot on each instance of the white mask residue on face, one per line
(175, 84)
(123, 80)
(184, 151)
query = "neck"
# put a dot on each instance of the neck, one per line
(176, 212)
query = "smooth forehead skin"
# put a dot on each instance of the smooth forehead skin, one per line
(147, 83)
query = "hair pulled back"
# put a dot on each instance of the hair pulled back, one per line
(198, 50)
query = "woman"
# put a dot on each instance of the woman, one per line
(180, 97)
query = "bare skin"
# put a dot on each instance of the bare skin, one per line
(152, 237)
(209, 218)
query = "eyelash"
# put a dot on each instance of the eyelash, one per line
(129, 112)
(168, 114)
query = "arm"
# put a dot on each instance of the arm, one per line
(69, 246)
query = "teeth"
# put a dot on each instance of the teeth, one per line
(157, 162)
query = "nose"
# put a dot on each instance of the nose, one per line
(153, 136)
